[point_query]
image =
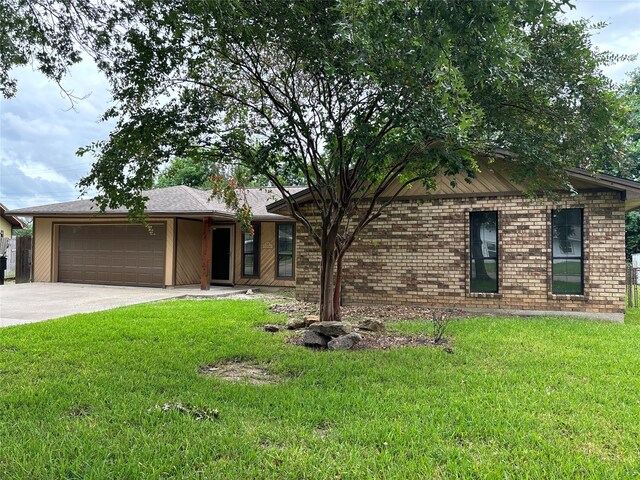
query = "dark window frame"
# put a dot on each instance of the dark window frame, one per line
(255, 253)
(293, 251)
(472, 257)
(581, 257)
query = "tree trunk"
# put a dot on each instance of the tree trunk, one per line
(337, 288)
(327, 266)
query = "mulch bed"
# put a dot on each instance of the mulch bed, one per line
(354, 314)
(384, 341)
(387, 313)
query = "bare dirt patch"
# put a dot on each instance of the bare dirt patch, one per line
(240, 372)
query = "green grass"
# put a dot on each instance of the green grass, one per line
(519, 398)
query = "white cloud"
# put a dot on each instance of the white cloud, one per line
(30, 127)
(627, 7)
(41, 171)
(39, 135)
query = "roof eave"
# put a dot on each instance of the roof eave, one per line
(122, 214)
(283, 202)
(14, 221)
(630, 187)
(609, 181)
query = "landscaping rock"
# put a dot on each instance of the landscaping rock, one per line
(371, 325)
(309, 319)
(346, 342)
(314, 339)
(296, 323)
(272, 328)
(331, 329)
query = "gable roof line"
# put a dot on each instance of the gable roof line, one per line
(177, 200)
(606, 180)
(601, 179)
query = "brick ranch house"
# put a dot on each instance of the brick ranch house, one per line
(481, 246)
(484, 246)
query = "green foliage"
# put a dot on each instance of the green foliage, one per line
(629, 164)
(197, 174)
(24, 232)
(518, 398)
(632, 233)
(185, 171)
(631, 99)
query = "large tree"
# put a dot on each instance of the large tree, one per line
(630, 95)
(631, 168)
(356, 96)
(360, 98)
(628, 166)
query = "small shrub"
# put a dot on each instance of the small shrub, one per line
(439, 324)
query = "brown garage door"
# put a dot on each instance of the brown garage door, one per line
(111, 254)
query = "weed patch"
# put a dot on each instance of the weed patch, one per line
(198, 413)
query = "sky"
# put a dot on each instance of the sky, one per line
(40, 133)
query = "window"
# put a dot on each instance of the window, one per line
(484, 252)
(285, 246)
(566, 251)
(251, 252)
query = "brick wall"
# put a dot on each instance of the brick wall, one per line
(417, 252)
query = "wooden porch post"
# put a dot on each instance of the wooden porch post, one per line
(205, 277)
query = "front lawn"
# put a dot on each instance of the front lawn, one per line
(537, 398)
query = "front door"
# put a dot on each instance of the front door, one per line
(222, 255)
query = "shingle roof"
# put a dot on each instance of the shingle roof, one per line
(179, 200)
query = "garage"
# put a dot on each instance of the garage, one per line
(112, 254)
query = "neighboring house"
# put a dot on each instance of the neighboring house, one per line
(484, 245)
(193, 239)
(480, 245)
(9, 223)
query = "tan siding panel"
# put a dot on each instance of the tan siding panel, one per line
(267, 259)
(169, 252)
(42, 255)
(188, 252)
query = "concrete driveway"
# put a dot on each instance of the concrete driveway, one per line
(34, 302)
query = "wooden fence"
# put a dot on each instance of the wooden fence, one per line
(633, 286)
(23, 259)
